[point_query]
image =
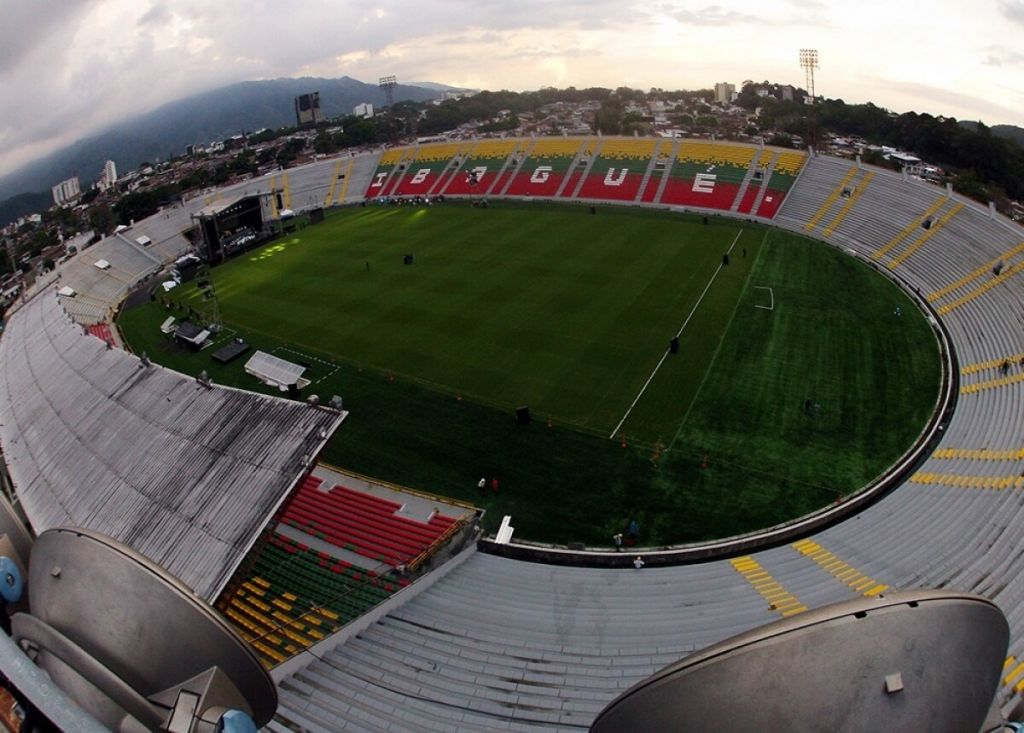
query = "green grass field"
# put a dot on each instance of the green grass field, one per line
(570, 313)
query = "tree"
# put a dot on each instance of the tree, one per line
(608, 118)
(42, 239)
(290, 151)
(101, 219)
(968, 184)
(324, 143)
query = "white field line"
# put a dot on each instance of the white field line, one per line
(678, 333)
(771, 294)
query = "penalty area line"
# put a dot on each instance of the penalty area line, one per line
(678, 334)
(771, 294)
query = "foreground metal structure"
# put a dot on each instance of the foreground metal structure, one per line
(912, 661)
(131, 646)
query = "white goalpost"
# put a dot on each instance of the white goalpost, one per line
(771, 298)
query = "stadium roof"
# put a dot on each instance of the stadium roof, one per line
(184, 474)
(219, 206)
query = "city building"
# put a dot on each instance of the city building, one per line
(363, 110)
(66, 192)
(109, 176)
(307, 109)
(725, 92)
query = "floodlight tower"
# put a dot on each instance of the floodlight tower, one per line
(809, 62)
(388, 84)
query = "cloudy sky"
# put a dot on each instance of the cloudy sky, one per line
(70, 67)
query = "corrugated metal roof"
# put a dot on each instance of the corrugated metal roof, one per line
(183, 474)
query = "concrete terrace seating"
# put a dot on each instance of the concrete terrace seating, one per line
(483, 159)
(426, 169)
(620, 169)
(696, 174)
(294, 597)
(363, 523)
(102, 331)
(547, 166)
(388, 171)
(99, 291)
(184, 474)
(499, 644)
(328, 182)
(165, 232)
(707, 174)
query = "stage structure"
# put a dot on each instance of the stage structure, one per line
(224, 222)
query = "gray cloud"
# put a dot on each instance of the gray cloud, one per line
(711, 15)
(148, 52)
(1002, 56)
(548, 52)
(26, 24)
(1012, 10)
(155, 15)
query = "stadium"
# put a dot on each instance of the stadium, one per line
(382, 608)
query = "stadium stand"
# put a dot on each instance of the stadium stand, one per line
(103, 332)
(657, 177)
(295, 597)
(548, 165)
(100, 290)
(707, 174)
(184, 474)
(426, 169)
(389, 172)
(619, 170)
(481, 168)
(334, 554)
(345, 178)
(368, 525)
(502, 644)
(781, 175)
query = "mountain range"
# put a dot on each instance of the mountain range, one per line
(201, 118)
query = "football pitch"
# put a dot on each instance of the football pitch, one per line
(795, 379)
(562, 311)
